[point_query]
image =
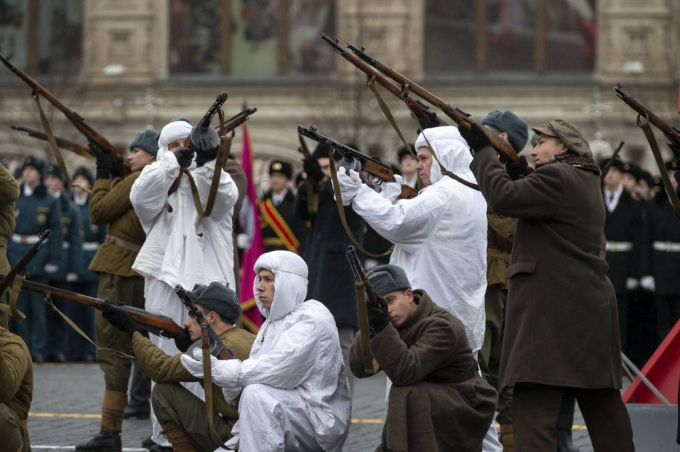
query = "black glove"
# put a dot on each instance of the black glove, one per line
(313, 170)
(121, 320)
(183, 341)
(205, 156)
(104, 160)
(184, 157)
(378, 319)
(476, 138)
(427, 122)
(517, 170)
(117, 166)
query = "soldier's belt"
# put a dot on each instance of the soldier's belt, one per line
(617, 247)
(25, 239)
(123, 243)
(273, 241)
(90, 246)
(668, 247)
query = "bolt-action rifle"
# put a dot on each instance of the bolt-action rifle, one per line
(372, 165)
(80, 149)
(363, 288)
(78, 121)
(671, 132)
(157, 324)
(8, 279)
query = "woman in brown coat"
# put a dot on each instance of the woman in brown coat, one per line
(438, 401)
(561, 333)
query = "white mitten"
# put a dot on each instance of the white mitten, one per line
(349, 185)
(647, 283)
(392, 190)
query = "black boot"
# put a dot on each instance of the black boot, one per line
(564, 423)
(103, 442)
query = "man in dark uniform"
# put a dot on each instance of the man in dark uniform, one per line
(86, 283)
(662, 256)
(561, 336)
(330, 278)
(282, 228)
(622, 229)
(110, 204)
(36, 211)
(71, 262)
(9, 192)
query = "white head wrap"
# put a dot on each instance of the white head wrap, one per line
(451, 149)
(170, 133)
(290, 282)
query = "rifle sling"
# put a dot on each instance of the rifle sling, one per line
(221, 159)
(208, 384)
(370, 82)
(341, 209)
(643, 123)
(11, 307)
(369, 367)
(52, 140)
(48, 300)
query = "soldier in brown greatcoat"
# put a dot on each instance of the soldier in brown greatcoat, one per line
(561, 335)
(437, 401)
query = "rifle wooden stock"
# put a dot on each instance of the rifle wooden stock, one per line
(458, 116)
(63, 143)
(77, 120)
(360, 276)
(158, 324)
(418, 108)
(669, 131)
(8, 279)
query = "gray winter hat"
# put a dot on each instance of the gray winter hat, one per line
(147, 140)
(219, 298)
(388, 278)
(510, 123)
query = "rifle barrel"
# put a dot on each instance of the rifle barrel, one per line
(669, 131)
(461, 118)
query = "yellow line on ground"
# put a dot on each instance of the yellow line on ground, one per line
(66, 415)
(99, 416)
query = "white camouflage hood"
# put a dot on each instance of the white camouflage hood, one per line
(451, 149)
(171, 132)
(290, 282)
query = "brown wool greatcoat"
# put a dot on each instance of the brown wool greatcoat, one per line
(9, 192)
(561, 325)
(163, 368)
(429, 409)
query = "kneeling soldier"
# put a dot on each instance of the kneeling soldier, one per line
(181, 414)
(437, 401)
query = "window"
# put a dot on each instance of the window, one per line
(42, 36)
(495, 36)
(250, 38)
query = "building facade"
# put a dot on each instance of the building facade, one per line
(126, 64)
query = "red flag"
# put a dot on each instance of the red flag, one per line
(252, 319)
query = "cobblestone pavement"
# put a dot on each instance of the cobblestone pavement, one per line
(67, 403)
